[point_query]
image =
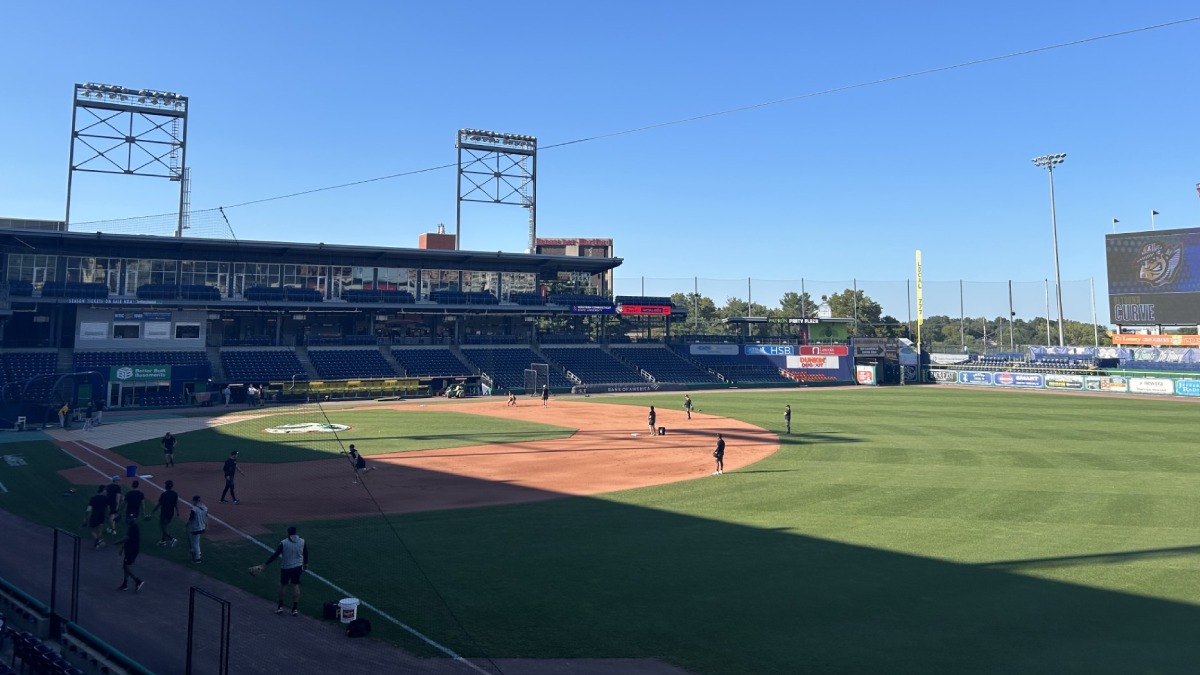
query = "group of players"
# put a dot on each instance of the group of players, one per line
(719, 451)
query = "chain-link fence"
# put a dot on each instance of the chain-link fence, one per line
(978, 315)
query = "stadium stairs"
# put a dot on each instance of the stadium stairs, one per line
(66, 360)
(309, 369)
(218, 368)
(387, 356)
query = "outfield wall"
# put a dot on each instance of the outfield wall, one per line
(1108, 384)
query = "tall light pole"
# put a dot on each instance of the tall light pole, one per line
(1048, 162)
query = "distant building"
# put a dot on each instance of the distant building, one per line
(598, 284)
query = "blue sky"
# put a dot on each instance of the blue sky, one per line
(844, 186)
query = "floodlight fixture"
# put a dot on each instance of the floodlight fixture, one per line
(1048, 162)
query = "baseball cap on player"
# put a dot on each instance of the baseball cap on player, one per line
(196, 498)
(291, 530)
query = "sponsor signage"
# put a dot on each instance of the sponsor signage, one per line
(784, 319)
(1187, 387)
(1030, 380)
(1115, 384)
(974, 377)
(139, 373)
(652, 310)
(868, 351)
(943, 376)
(1151, 385)
(1167, 340)
(713, 350)
(593, 309)
(1064, 382)
(943, 359)
(824, 350)
(864, 374)
(770, 350)
(110, 301)
(817, 362)
(141, 316)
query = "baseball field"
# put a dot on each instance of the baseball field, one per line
(896, 530)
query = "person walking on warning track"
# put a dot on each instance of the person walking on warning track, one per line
(197, 524)
(94, 515)
(131, 545)
(650, 417)
(719, 455)
(687, 405)
(787, 417)
(545, 395)
(133, 501)
(113, 490)
(168, 446)
(293, 560)
(230, 469)
(167, 507)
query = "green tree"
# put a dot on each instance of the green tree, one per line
(797, 305)
(856, 305)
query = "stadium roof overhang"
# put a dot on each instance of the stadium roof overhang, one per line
(101, 244)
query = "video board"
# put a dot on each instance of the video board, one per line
(1154, 277)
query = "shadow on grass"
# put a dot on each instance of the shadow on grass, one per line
(593, 577)
(1094, 558)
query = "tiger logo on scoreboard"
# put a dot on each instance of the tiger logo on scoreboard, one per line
(1158, 264)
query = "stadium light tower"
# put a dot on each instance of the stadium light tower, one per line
(497, 168)
(1048, 162)
(129, 132)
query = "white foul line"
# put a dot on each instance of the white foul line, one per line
(412, 631)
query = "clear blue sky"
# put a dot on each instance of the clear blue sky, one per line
(288, 97)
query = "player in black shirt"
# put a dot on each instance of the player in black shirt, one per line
(113, 490)
(133, 501)
(167, 508)
(131, 545)
(230, 470)
(97, 510)
(719, 455)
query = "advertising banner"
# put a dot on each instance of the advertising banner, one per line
(770, 350)
(593, 309)
(1114, 384)
(945, 359)
(943, 376)
(141, 316)
(824, 350)
(865, 374)
(1157, 340)
(974, 377)
(713, 350)
(1030, 380)
(652, 310)
(139, 373)
(1064, 382)
(818, 362)
(1187, 387)
(1160, 386)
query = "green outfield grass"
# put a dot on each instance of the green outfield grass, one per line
(898, 530)
(372, 431)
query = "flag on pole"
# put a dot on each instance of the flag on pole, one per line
(1154, 213)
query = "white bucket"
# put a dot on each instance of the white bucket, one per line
(348, 609)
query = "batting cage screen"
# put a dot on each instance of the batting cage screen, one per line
(537, 375)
